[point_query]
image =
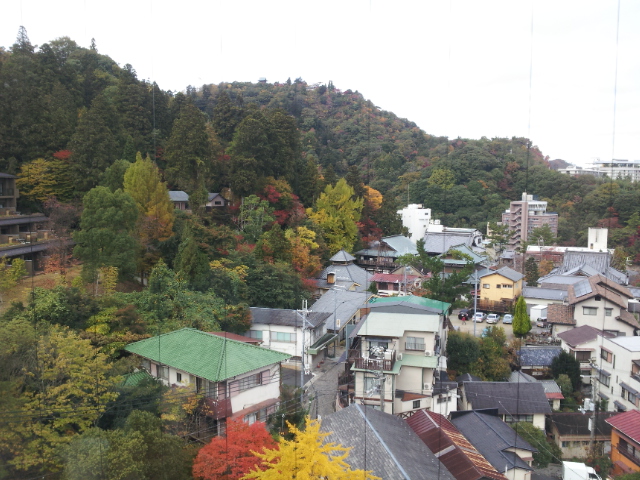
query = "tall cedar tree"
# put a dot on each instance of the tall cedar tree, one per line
(531, 270)
(307, 456)
(105, 236)
(94, 144)
(230, 457)
(521, 321)
(337, 213)
(188, 153)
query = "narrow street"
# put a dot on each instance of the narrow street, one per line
(323, 387)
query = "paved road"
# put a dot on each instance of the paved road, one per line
(322, 390)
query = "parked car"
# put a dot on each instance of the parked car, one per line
(507, 319)
(493, 318)
(464, 314)
(542, 323)
(479, 317)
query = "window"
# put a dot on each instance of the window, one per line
(146, 364)
(591, 311)
(179, 377)
(518, 418)
(629, 396)
(283, 337)
(257, 334)
(371, 384)
(604, 378)
(565, 444)
(583, 356)
(605, 355)
(250, 419)
(414, 343)
(629, 451)
(486, 285)
(416, 404)
(163, 372)
(498, 286)
(608, 312)
(506, 285)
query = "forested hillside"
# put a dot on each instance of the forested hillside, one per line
(70, 116)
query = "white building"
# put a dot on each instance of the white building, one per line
(238, 380)
(617, 371)
(615, 168)
(292, 332)
(416, 219)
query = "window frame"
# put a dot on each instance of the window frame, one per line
(586, 311)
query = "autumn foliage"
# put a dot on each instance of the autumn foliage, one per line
(232, 456)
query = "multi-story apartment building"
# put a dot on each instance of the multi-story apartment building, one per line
(617, 371)
(615, 168)
(526, 215)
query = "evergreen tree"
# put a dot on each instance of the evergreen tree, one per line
(521, 321)
(94, 146)
(568, 365)
(105, 236)
(191, 263)
(531, 269)
(188, 152)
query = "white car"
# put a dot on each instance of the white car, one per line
(493, 318)
(479, 317)
(508, 319)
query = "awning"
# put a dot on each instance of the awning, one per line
(321, 343)
(620, 406)
(628, 388)
(603, 396)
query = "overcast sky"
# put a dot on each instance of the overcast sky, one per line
(546, 70)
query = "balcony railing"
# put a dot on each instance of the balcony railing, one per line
(369, 363)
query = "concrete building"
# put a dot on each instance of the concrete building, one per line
(416, 219)
(526, 215)
(615, 168)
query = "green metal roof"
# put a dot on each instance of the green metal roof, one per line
(382, 324)
(425, 302)
(205, 355)
(321, 343)
(133, 379)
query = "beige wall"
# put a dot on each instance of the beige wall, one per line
(495, 294)
(596, 321)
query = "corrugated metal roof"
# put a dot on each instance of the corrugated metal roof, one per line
(452, 448)
(436, 305)
(178, 196)
(205, 355)
(394, 325)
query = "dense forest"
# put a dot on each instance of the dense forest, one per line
(308, 170)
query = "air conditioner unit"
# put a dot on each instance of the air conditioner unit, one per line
(428, 353)
(399, 357)
(427, 386)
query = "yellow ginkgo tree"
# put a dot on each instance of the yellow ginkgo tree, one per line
(307, 457)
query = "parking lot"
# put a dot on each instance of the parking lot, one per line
(468, 326)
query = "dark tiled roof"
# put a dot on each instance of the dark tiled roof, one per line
(575, 423)
(538, 356)
(467, 377)
(342, 256)
(281, 316)
(560, 314)
(382, 443)
(509, 398)
(492, 438)
(239, 338)
(452, 448)
(349, 276)
(579, 335)
(628, 423)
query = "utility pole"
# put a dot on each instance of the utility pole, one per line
(475, 305)
(303, 318)
(382, 380)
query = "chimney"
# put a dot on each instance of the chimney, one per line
(331, 278)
